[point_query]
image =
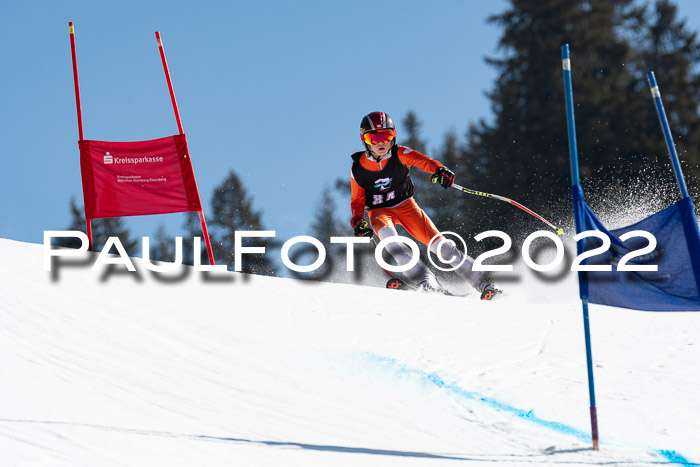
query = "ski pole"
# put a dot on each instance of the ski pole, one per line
(508, 200)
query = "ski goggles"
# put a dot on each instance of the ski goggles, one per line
(379, 136)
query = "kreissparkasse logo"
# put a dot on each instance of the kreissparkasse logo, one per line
(111, 159)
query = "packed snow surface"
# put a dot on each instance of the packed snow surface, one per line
(116, 368)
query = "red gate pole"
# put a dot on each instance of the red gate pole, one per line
(71, 30)
(169, 81)
(205, 232)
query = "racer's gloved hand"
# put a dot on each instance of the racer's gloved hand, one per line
(444, 176)
(360, 227)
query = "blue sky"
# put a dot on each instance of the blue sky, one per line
(273, 89)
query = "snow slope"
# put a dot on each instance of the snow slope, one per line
(136, 369)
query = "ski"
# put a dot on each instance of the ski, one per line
(490, 294)
(398, 284)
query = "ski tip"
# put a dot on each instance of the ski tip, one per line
(396, 284)
(490, 293)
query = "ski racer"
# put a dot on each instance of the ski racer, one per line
(381, 184)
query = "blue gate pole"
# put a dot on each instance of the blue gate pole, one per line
(573, 155)
(570, 122)
(690, 222)
(656, 94)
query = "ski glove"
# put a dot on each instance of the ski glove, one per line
(360, 227)
(444, 176)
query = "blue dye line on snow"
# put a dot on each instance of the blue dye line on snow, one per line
(435, 379)
(675, 458)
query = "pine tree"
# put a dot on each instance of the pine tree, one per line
(326, 224)
(233, 210)
(668, 48)
(523, 152)
(448, 207)
(411, 128)
(409, 135)
(445, 207)
(193, 228)
(162, 246)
